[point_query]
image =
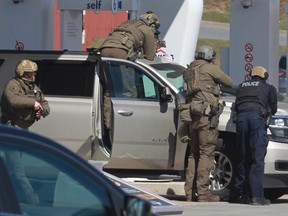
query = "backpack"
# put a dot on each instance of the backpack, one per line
(129, 33)
(191, 78)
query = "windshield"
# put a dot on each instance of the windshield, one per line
(282, 97)
(232, 92)
(172, 72)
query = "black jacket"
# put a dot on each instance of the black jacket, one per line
(250, 97)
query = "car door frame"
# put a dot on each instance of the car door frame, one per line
(122, 156)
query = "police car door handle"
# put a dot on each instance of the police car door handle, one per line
(125, 112)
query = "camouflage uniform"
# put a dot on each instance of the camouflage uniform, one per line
(17, 107)
(130, 40)
(203, 136)
(17, 103)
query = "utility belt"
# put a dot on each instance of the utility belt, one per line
(248, 110)
(261, 111)
(201, 108)
(122, 40)
(187, 110)
(126, 39)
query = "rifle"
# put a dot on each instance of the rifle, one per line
(43, 112)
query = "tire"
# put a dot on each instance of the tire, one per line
(223, 173)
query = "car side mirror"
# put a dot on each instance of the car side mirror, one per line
(165, 94)
(136, 206)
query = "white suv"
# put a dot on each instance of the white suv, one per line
(143, 139)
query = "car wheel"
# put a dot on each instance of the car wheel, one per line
(222, 174)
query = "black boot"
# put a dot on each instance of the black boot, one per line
(260, 201)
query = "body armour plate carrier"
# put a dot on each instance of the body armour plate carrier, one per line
(193, 82)
(126, 35)
(252, 91)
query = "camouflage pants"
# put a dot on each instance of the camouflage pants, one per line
(201, 158)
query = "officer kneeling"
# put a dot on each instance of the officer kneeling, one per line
(255, 101)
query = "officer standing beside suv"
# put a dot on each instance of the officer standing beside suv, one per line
(22, 104)
(256, 100)
(205, 108)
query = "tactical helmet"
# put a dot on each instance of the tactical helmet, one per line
(206, 53)
(26, 66)
(150, 19)
(260, 72)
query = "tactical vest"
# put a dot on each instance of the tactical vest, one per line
(252, 91)
(23, 117)
(194, 83)
(126, 35)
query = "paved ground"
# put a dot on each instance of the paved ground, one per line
(277, 208)
(162, 187)
(175, 191)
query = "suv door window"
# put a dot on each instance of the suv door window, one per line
(172, 72)
(66, 78)
(126, 81)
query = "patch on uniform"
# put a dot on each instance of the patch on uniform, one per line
(250, 83)
(13, 88)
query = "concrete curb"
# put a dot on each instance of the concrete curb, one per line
(163, 188)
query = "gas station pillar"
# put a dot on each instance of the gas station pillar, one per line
(254, 38)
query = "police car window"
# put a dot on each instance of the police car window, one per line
(126, 81)
(66, 78)
(58, 187)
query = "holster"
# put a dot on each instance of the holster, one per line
(215, 114)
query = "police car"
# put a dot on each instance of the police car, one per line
(64, 183)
